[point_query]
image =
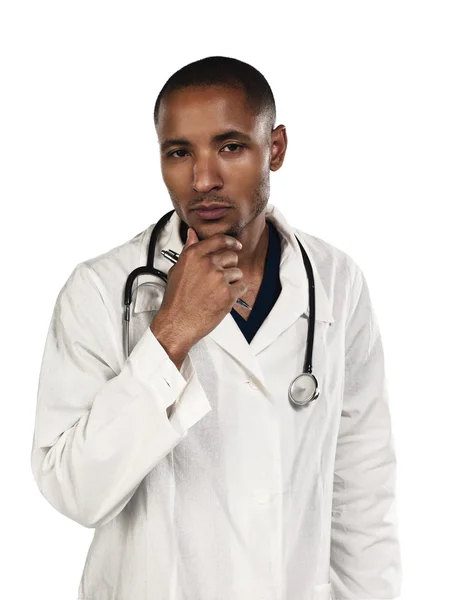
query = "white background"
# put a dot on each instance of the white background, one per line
(363, 90)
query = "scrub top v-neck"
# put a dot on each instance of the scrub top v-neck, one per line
(269, 290)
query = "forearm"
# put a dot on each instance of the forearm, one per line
(92, 468)
(101, 427)
(174, 341)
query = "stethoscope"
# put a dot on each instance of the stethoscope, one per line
(305, 387)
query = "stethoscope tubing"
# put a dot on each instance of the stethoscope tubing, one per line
(149, 269)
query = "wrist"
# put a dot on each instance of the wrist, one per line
(173, 340)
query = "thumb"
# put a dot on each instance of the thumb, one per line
(191, 238)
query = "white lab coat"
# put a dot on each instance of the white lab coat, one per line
(207, 484)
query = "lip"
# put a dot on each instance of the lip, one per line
(212, 213)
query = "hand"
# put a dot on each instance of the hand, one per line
(201, 287)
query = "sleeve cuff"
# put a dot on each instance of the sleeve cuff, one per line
(151, 364)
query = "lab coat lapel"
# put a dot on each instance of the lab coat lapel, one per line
(293, 301)
(291, 304)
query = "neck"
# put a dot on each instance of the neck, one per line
(253, 262)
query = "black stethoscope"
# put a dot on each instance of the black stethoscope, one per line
(305, 387)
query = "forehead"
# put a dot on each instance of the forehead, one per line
(196, 110)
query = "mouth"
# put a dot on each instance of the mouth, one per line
(212, 213)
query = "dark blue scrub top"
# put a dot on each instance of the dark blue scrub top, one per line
(268, 292)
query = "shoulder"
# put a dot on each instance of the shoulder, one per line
(120, 259)
(341, 275)
(329, 259)
(104, 276)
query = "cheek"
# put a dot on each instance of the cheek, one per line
(247, 162)
(242, 177)
(171, 175)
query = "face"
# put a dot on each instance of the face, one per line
(233, 169)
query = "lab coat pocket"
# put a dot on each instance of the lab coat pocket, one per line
(139, 325)
(326, 364)
(320, 358)
(322, 592)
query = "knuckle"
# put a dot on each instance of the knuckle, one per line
(230, 258)
(219, 275)
(190, 250)
(214, 261)
(221, 237)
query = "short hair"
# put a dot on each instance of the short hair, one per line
(230, 73)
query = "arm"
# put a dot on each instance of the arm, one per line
(169, 339)
(99, 432)
(365, 552)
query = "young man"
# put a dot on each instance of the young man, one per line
(202, 477)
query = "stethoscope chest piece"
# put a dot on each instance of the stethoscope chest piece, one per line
(304, 389)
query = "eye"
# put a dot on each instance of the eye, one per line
(232, 144)
(175, 151)
(182, 150)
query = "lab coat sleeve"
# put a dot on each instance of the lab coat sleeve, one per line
(99, 432)
(365, 553)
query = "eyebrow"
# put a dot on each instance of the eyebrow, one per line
(219, 137)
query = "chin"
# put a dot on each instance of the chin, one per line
(206, 230)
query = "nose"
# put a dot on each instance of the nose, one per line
(206, 175)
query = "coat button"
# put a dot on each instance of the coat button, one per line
(253, 384)
(261, 496)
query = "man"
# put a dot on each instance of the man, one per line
(203, 480)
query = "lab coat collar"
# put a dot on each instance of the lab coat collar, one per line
(292, 303)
